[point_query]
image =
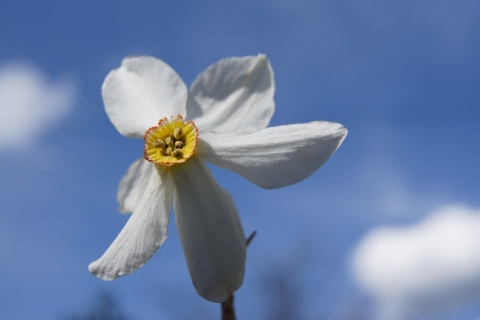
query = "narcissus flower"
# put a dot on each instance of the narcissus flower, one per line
(221, 119)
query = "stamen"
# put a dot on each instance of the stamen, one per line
(177, 133)
(179, 144)
(158, 143)
(176, 153)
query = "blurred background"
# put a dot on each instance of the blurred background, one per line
(388, 229)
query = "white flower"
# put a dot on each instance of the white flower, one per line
(221, 119)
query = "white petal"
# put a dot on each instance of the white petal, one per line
(143, 234)
(133, 185)
(233, 95)
(141, 92)
(274, 157)
(210, 231)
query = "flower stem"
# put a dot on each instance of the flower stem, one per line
(228, 309)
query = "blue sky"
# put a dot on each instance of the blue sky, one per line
(402, 76)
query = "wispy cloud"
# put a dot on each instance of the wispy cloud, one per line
(30, 103)
(428, 266)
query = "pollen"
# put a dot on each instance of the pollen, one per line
(171, 142)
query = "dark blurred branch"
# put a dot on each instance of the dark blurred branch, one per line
(105, 307)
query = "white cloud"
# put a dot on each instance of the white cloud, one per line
(426, 267)
(30, 104)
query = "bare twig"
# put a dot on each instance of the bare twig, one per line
(228, 309)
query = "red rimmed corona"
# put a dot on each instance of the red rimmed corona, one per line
(171, 142)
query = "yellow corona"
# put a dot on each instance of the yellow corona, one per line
(171, 142)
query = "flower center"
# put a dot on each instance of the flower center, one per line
(171, 142)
